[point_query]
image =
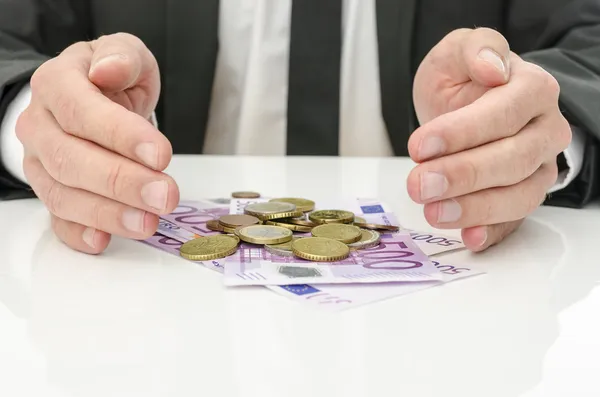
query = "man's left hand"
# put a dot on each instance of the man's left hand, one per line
(491, 130)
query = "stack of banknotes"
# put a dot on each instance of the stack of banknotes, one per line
(404, 262)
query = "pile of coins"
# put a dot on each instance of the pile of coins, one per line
(333, 233)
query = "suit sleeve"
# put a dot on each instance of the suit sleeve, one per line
(31, 32)
(563, 37)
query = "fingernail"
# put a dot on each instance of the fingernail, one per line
(433, 185)
(133, 220)
(484, 237)
(492, 57)
(107, 59)
(148, 153)
(155, 195)
(431, 147)
(88, 236)
(449, 211)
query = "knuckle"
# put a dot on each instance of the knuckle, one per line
(40, 77)
(59, 163)
(114, 181)
(96, 214)
(565, 134)
(551, 85)
(528, 155)
(24, 127)
(66, 112)
(53, 198)
(480, 209)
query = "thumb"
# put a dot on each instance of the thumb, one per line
(485, 57)
(119, 61)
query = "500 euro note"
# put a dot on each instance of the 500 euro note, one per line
(396, 259)
(334, 297)
(342, 297)
(193, 215)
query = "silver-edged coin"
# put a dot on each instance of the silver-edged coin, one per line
(369, 239)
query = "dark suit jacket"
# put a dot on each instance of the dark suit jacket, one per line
(563, 36)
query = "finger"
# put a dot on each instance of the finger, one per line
(80, 164)
(480, 238)
(492, 206)
(486, 57)
(499, 113)
(479, 55)
(79, 237)
(88, 209)
(62, 86)
(501, 163)
(121, 61)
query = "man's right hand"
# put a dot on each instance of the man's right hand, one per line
(91, 153)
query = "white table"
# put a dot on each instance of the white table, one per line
(138, 322)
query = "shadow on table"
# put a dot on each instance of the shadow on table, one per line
(147, 326)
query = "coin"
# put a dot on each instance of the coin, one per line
(264, 234)
(233, 221)
(283, 249)
(268, 211)
(245, 195)
(214, 225)
(209, 248)
(301, 204)
(374, 226)
(358, 219)
(230, 230)
(320, 249)
(301, 222)
(346, 234)
(369, 239)
(295, 228)
(331, 216)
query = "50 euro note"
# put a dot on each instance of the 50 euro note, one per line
(395, 259)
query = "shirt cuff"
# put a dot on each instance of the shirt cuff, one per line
(574, 157)
(11, 149)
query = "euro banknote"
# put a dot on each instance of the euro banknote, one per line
(334, 297)
(395, 259)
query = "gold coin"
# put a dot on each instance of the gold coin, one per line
(230, 230)
(280, 215)
(358, 219)
(331, 216)
(214, 225)
(319, 249)
(295, 228)
(209, 248)
(248, 195)
(369, 239)
(346, 234)
(301, 204)
(233, 221)
(374, 226)
(283, 249)
(269, 208)
(237, 239)
(264, 234)
(268, 211)
(301, 222)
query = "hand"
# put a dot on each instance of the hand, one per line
(91, 153)
(490, 133)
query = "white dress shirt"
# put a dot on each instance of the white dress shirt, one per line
(249, 106)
